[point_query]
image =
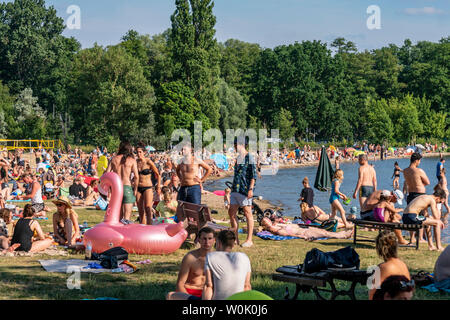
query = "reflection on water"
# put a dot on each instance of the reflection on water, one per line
(283, 189)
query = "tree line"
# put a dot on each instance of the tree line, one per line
(146, 86)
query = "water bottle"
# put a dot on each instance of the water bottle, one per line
(88, 251)
(85, 224)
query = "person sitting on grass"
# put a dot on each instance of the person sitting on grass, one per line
(294, 230)
(34, 192)
(167, 207)
(65, 222)
(227, 272)
(191, 277)
(24, 230)
(386, 247)
(91, 194)
(5, 219)
(317, 215)
(395, 288)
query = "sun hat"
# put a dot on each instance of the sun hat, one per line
(399, 195)
(64, 200)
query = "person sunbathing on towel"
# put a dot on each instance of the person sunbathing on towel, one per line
(315, 214)
(269, 224)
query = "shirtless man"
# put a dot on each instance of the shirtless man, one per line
(415, 181)
(420, 204)
(187, 171)
(191, 278)
(367, 180)
(124, 164)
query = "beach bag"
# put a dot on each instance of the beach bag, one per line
(112, 258)
(317, 260)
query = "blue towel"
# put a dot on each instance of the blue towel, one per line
(443, 285)
(94, 265)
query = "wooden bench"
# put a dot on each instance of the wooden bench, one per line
(316, 281)
(196, 216)
(385, 226)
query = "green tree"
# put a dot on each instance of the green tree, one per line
(196, 54)
(380, 127)
(177, 108)
(233, 109)
(285, 123)
(109, 95)
(33, 53)
(6, 111)
(405, 117)
(30, 119)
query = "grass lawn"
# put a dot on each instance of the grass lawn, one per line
(24, 278)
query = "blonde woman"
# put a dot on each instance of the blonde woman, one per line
(65, 222)
(336, 195)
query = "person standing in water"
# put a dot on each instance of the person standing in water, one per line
(396, 176)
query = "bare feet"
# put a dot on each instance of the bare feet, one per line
(247, 244)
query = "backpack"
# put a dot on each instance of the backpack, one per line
(317, 260)
(112, 258)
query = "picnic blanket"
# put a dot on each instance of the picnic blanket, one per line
(266, 235)
(73, 264)
(443, 285)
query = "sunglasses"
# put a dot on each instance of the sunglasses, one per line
(60, 205)
(407, 284)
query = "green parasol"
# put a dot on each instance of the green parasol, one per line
(325, 173)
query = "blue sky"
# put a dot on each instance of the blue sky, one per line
(269, 22)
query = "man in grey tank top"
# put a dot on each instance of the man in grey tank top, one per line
(226, 272)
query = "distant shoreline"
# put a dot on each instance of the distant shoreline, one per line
(315, 163)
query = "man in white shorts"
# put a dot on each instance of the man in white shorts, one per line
(242, 190)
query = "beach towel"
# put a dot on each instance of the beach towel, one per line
(443, 285)
(266, 235)
(62, 266)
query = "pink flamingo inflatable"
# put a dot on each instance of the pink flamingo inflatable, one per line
(135, 238)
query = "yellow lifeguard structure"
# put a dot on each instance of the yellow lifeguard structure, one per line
(29, 144)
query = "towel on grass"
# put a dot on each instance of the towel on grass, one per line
(63, 266)
(266, 235)
(443, 285)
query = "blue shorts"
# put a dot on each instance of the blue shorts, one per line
(192, 194)
(412, 218)
(333, 197)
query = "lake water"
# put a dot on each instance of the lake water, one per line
(283, 189)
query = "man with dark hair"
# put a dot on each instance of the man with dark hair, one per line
(415, 181)
(191, 278)
(189, 173)
(227, 272)
(242, 190)
(420, 204)
(124, 164)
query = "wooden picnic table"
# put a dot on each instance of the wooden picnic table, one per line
(385, 226)
(316, 281)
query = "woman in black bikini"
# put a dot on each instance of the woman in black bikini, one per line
(396, 176)
(144, 195)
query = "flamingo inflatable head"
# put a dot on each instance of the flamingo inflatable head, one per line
(135, 238)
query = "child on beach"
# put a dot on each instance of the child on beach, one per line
(5, 220)
(226, 198)
(396, 176)
(336, 195)
(167, 207)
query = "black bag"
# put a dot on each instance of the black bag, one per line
(112, 258)
(317, 260)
